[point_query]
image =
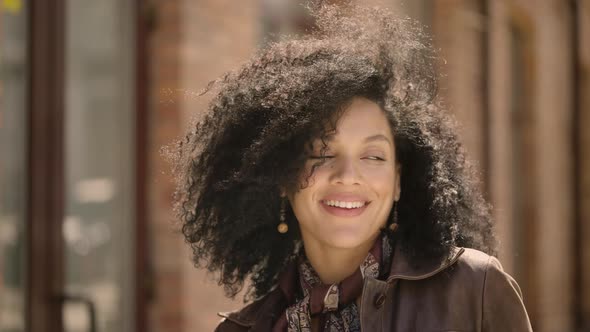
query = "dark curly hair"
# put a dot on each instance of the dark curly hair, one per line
(252, 142)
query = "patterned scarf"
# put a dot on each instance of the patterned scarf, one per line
(334, 304)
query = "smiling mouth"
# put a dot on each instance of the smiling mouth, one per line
(345, 205)
(345, 209)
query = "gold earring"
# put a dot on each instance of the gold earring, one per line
(283, 227)
(394, 225)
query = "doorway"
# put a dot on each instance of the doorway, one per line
(70, 175)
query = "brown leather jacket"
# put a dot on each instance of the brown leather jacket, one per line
(468, 292)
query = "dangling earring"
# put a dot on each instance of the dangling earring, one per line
(283, 227)
(394, 225)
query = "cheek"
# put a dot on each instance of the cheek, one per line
(308, 173)
(309, 179)
(303, 195)
(382, 180)
(303, 198)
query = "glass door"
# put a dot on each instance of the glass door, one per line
(68, 152)
(13, 161)
(99, 154)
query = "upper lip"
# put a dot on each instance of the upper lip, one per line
(345, 197)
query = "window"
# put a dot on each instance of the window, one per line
(13, 162)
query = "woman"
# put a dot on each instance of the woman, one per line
(327, 174)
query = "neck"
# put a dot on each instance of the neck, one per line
(335, 264)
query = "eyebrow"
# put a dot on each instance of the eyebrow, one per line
(369, 139)
(378, 137)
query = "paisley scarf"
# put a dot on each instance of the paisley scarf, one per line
(334, 305)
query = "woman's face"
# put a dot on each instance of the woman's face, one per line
(349, 197)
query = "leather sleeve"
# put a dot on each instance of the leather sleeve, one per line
(503, 308)
(229, 326)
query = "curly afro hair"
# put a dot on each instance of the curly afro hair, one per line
(252, 142)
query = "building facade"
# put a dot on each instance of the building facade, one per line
(91, 92)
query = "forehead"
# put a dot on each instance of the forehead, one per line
(362, 119)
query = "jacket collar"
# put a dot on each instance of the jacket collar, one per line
(402, 269)
(259, 315)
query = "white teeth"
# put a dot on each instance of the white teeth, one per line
(345, 205)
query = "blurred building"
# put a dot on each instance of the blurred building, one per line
(90, 91)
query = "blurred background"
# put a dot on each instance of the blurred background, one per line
(91, 90)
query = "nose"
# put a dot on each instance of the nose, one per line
(345, 171)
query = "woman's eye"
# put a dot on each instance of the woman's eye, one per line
(321, 157)
(375, 158)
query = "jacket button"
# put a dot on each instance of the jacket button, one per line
(379, 300)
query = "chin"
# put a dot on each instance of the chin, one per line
(346, 239)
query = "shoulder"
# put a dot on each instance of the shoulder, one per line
(477, 263)
(502, 302)
(262, 311)
(241, 319)
(477, 259)
(482, 272)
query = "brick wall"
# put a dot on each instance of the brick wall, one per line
(167, 302)
(218, 36)
(192, 42)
